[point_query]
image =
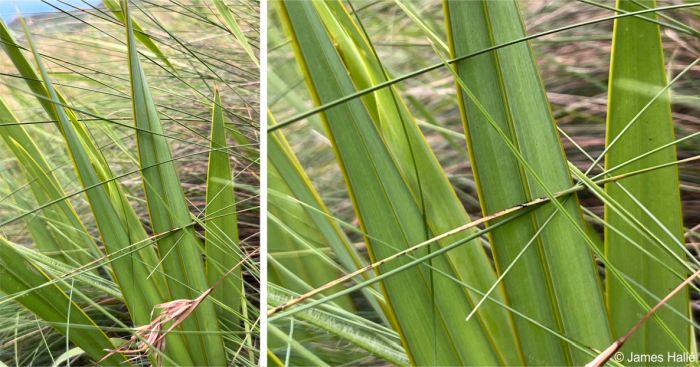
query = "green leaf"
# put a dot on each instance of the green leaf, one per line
(67, 355)
(221, 223)
(387, 211)
(141, 36)
(295, 202)
(179, 248)
(309, 357)
(131, 267)
(639, 120)
(235, 29)
(71, 234)
(293, 231)
(56, 108)
(300, 228)
(419, 167)
(553, 280)
(347, 326)
(52, 266)
(49, 302)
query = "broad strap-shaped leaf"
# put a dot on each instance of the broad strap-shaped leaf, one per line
(420, 169)
(294, 227)
(221, 222)
(556, 276)
(51, 266)
(387, 211)
(56, 109)
(637, 76)
(38, 225)
(300, 226)
(69, 233)
(132, 267)
(52, 304)
(180, 250)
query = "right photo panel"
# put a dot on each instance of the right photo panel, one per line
(482, 183)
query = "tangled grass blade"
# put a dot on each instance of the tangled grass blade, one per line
(131, 270)
(57, 109)
(310, 231)
(235, 29)
(307, 223)
(380, 170)
(139, 34)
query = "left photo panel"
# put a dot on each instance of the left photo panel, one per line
(130, 183)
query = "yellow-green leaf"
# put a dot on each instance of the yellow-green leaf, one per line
(52, 304)
(221, 223)
(180, 249)
(556, 276)
(639, 120)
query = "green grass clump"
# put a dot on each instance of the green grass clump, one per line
(130, 185)
(461, 207)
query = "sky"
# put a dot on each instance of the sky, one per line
(30, 7)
